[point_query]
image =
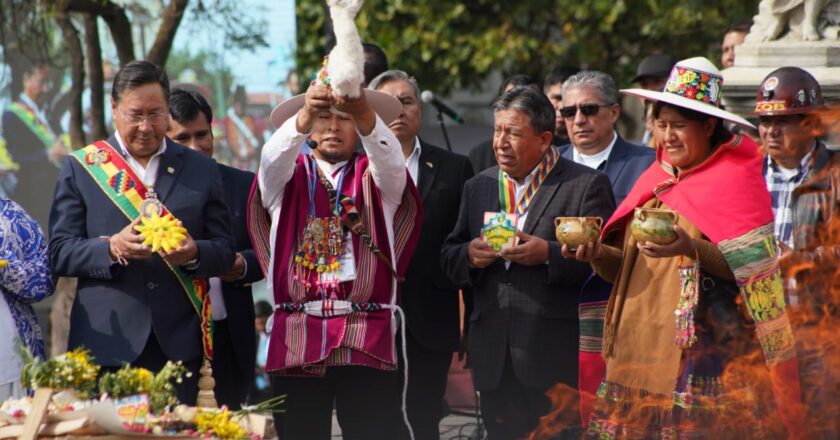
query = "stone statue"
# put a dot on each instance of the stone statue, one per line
(802, 20)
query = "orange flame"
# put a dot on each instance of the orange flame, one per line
(564, 412)
(749, 402)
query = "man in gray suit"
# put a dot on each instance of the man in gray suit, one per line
(134, 305)
(590, 109)
(524, 326)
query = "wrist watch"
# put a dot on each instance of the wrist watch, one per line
(192, 263)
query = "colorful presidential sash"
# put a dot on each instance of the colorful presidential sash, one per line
(507, 190)
(27, 115)
(122, 186)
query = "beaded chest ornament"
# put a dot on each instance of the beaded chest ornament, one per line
(322, 240)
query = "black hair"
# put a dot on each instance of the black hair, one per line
(740, 27)
(136, 74)
(720, 134)
(533, 103)
(32, 68)
(558, 75)
(262, 309)
(185, 105)
(519, 80)
(376, 61)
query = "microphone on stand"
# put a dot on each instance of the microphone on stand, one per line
(429, 98)
(442, 109)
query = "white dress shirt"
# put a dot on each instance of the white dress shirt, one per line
(147, 174)
(519, 191)
(413, 161)
(277, 166)
(594, 161)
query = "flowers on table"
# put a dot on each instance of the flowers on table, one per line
(129, 381)
(73, 370)
(219, 424)
(144, 401)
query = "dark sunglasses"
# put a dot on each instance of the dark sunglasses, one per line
(586, 109)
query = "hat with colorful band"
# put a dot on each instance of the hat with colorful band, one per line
(694, 84)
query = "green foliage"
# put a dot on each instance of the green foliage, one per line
(457, 44)
(130, 380)
(73, 370)
(126, 381)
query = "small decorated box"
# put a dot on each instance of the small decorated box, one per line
(500, 230)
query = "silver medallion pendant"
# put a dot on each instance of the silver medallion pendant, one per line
(151, 206)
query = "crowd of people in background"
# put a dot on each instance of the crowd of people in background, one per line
(370, 241)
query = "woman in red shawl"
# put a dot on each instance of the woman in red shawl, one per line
(672, 323)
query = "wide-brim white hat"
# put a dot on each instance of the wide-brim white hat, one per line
(386, 106)
(694, 84)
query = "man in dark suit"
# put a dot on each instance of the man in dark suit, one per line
(33, 145)
(590, 109)
(429, 299)
(235, 345)
(524, 326)
(134, 305)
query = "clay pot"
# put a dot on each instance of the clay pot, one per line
(575, 231)
(654, 225)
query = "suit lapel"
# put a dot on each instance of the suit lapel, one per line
(495, 203)
(616, 162)
(112, 141)
(170, 166)
(543, 197)
(566, 152)
(427, 168)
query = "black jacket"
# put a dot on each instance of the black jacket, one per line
(429, 299)
(529, 313)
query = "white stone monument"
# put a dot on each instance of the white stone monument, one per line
(801, 33)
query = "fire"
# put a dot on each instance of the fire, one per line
(748, 409)
(564, 412)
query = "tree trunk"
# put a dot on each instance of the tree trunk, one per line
(77, 64)
(96, 78)
(120, 28)
(115, 18)
(166, 33)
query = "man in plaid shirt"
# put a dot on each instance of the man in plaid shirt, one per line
(782, 181)
(794, 158)
(804, 182)
(794, 155)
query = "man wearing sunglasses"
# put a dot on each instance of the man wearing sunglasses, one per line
(590, 109)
